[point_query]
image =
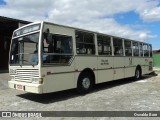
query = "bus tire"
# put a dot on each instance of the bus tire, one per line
(138, 73)
(85, 83)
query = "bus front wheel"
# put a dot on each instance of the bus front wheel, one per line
(84, 84)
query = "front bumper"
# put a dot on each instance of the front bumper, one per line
(28, 87)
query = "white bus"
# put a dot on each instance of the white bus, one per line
(46, 57)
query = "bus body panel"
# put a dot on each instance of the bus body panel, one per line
(129, 68)
(58, 78)
(118, 67)
(129, 71)
(144, 63)
(58, 82)
(148, 66)
(82, 63)
(105, 69)
(105, 75)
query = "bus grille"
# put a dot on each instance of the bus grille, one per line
(26, 75)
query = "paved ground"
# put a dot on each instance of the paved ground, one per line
(120, 95)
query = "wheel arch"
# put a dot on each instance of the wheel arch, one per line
(88, 70)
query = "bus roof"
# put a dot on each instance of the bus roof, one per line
(80, 29)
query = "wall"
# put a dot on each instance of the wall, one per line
(156, 60)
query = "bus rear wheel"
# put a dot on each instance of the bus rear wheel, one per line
(137, 74)
(84, 84)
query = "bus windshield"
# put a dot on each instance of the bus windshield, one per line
(24, 50)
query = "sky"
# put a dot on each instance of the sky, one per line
(132, 19)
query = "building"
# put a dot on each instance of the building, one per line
(156, 58)
(7, 26)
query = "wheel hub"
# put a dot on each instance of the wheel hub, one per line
(137, 74)
(86, 83)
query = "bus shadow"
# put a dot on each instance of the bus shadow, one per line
(110, 84)
(50, 97)
(69, 94)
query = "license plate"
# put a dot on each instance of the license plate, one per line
(19, 87)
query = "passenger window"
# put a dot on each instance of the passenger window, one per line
(135, 49)
(146, 50)
(118, 47)
(128, 48)
(141, 49)
(57, 49)
(104, 45)
(85, 43)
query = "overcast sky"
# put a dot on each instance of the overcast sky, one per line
(135, 19)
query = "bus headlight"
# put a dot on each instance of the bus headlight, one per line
(37, 80)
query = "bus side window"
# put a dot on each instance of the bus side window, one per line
(118, 47)
(58, 46)
(141, 49)
(50, 48)
(135, 48)
(104, 45)
(128, 48)
(146, 50)
(85, 43)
